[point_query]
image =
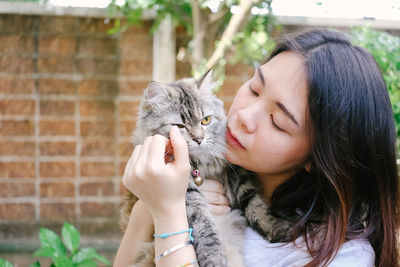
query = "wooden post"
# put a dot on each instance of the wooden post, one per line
(164, 52)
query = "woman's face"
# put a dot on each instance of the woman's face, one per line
(266, 123)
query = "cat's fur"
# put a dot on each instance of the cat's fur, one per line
(217, 239)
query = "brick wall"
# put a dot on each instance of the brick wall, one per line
(68, 98)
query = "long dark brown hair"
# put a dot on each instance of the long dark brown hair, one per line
(352, 189)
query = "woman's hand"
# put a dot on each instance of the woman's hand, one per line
(159, 184)
(214, 193)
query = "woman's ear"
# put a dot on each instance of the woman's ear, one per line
(307, 166)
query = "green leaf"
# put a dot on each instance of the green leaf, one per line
(84, 254)
(36, 264)
(48, 239)
(4, 263)
(44, 252)
(102, 259)
(70, 237)
(87, 263)
(63, 261)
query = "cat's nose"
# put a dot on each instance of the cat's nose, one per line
(198, 139)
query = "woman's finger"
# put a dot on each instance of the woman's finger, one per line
(131, 164)
(219, 210)
(215, 199)
(180, 148)
(135, 155)
(157, 150)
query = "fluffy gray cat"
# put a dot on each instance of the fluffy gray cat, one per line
(191, 105)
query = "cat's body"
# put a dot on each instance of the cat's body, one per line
(190, 105)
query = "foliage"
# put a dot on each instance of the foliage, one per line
(386, 50)
(54, 248)
(251, 44)
(132, 10)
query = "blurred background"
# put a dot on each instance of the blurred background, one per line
(72, 73)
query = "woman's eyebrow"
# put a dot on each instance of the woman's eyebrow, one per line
(261, 75)
(279, 104)
(287, 112)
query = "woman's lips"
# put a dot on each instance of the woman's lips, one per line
(232, 141)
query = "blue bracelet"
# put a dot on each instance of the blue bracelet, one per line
(176, 233)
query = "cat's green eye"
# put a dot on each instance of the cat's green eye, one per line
(206, 120)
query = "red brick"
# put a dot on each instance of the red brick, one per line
(55, 24)
(125, 149)
(12, 23)
(57, 127)
(98, 147)
(143, 29)
(139, 49)
(16, 86)
(57, 107)
(97, 189)
(136, 67)
(126, 128)
(97, 129)
(16, 128)
(60, 189)
(57, 169)
(97, 66)
(106, 228)
(122, 166)
(10, 189)
(94, 25)
(55, 64)
(132, 87)
(98, 87)
(57, 211)
(15, 211)
(97, 108)
(16, 44)
(57, 45)
(56, 86)
(57, 148)
(17, 169)
(122, 190)
(97, 46)
(98, 209)
(17, 106)
(97, 169)
(128, 108)
(12, 148)
(16, 65)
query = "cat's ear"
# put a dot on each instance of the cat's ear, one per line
(155, 90)
(206, 83)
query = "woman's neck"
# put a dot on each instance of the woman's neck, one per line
(271, 182)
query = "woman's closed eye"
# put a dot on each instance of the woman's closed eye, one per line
(253, 92)
(275, 125)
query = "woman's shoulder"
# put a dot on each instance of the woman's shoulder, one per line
(258, 252)
(354, 253)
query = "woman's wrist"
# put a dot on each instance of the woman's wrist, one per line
(170, 219)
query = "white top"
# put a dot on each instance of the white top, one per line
(260, 253)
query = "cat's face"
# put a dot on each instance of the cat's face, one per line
(192, 107)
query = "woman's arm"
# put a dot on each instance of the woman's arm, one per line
(140, 229)
(162, 187)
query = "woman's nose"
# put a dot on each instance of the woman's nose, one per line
(247, 119)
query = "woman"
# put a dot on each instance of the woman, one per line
(315, 124)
